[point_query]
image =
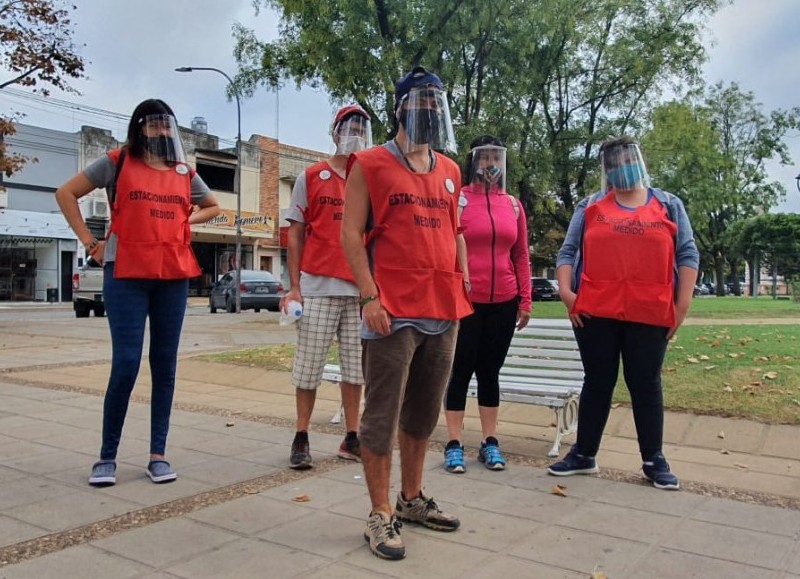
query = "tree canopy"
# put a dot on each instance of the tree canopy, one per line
(552, 79)
(36, 51)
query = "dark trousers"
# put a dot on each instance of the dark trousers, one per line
(641, 347)
(129, 304)
(483, 341)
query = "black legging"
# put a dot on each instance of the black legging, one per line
(483, 341)
(602, 342)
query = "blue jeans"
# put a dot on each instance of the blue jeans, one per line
(129, 302)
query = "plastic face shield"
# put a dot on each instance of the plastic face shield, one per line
(623, 168)
(425, 116)
(162, 138)
(352, 134)
(488, 166)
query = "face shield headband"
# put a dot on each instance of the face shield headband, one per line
(623, 168)
(352, 134)
(425, 116)
(161, 138)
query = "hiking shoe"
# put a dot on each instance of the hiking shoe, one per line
(656, 470)
(104, 474)
(425, 511)
(350, 449)
(454, 457)
(300, 459)
(490, 455)
(573, 463)
(160, 471)
(383, 535)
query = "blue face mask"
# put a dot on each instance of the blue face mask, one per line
(625, 176)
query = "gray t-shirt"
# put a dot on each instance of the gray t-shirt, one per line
(310, 284)
(101, 174)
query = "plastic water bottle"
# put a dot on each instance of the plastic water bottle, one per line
(294, 310)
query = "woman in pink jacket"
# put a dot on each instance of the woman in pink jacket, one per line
(496, 233)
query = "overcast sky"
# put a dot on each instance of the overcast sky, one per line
(132, 48)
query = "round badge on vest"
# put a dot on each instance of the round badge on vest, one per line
(449, 185)
(324, 174)
(181, 169)
(462, 201)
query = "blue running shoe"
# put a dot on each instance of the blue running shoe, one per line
(574, 463)
(656, 470)
(490, 454)
(454, 457)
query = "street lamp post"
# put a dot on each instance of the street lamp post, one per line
(797, 182)
(237, 179)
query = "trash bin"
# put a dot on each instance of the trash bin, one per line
(52, 295)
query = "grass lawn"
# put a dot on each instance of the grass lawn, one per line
(728, 369)
(725, 308)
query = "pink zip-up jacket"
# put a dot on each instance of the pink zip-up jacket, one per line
(497, 246)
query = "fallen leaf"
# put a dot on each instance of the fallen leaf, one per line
(728, 389)
(678, 347)
(707, 368)
(251, 491)
(715, 344)
(598, 575)
(740, 465)
(704, 358)
(702, 339)
(559, 490)
(231, 423)
(615, 405)
(670, 369)
(724, 451)
(301, 499)
(760, 359)
(721, 434)
(693, 360)
(734, 355)
(796, 401)
(554, 424)
(771, 375)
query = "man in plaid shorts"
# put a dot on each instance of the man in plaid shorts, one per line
(321, 280)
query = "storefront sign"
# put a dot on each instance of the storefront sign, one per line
(250, 221)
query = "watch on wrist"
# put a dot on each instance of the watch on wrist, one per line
(367, 299)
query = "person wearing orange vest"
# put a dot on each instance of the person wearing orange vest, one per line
(626, 274)
(321, 281)
(412, 277)
(155, 197)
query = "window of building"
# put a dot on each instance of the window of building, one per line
(218, 175)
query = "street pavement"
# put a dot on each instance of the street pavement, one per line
(236, 510)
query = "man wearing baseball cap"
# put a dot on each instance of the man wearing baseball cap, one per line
(412, 280)
(321, 281)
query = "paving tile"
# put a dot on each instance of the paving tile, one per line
(248, 558)
(740, 435)
(502, 566)
(794, 564)
(730, 544)
(533, 505)
(24, 491)
(9, 474)
(337, 570)
(54, 461)
(667, 564)
(222, 471)
(134, 486)
(325, 534)
(20, 448)
(649, 499)
(82, 561)
(167, 542)
(250, 515)
(607, 520)
(776, 442)
(324, 493)
(579, 551)
(14, 531)
(754, 517)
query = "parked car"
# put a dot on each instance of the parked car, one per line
(701, 290)
(259, 289)
(87, 290)
(543, 290)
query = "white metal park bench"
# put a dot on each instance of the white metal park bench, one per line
(543, 367)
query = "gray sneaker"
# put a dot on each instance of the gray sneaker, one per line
(424, 511)
(104, 473)
(383, 535)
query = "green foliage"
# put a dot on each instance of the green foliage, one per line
(551, 78)
(711, 150)
(773, 239)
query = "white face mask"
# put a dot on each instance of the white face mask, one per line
(350, 144)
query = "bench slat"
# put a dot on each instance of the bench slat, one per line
(535, 363)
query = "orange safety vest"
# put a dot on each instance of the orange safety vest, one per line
(322, 252)
(412, 244)
(150, 217)
(629, 259)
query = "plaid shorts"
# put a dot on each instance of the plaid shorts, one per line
(323, 319)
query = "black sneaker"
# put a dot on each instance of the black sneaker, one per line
(656, 470)
(300, 459)
(573, 463)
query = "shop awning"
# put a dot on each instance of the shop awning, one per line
(16, 223)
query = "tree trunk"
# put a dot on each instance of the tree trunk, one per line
(719, 274)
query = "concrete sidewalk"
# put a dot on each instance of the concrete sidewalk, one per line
(233, 513)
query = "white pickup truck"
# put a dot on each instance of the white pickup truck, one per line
(87, 290)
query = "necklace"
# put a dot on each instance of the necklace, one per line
(408, 163)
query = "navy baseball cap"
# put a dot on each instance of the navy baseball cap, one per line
(419, 76)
